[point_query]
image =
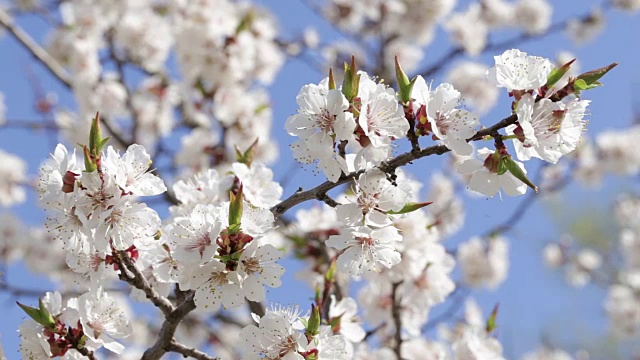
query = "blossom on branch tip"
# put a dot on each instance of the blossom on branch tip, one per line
(516, 70)
(550, 129)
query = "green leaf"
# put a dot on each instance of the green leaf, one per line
(235, 209)
(245, 22)
(351, 80)
(314, 321)
(580, 85)
(41, 315)
(246, 157)
(502, 166)
(492, 320)
(95, 133)
(557, 73)
(405, 86)
(103, 143)
(517, 171)
(260, 108)
(330, 275)
(409, 207)
(89, 163)
(591, 77)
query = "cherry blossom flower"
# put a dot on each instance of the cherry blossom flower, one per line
(451, 125)
(103, 319)
(381, 117)
(365, 249)
(516, 70)
(124, 224)
(488, 182)
(551, 129)
(274, 338)
(375, 196)
(258, 186)
(484, 264)
(214, 286)
(131, 171)
(51, 177)
(258, 268)
(12, 177)
(193, 237)
(350, 326)
(475, 345)
(321, 121)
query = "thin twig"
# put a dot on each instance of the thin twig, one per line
(319, 191)
(397, 320)
(35, 49)
(256, 308)
(179, 348)
(459, 293)
(454, 53)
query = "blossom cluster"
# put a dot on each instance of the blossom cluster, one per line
(212, 244)
(89, 322)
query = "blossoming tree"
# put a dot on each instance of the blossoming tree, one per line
(166, 228)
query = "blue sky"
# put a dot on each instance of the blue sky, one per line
(534, 301)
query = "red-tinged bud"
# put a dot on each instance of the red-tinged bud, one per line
(519, 132)
(68, 181)
(132, 251)
(492, 162)
(43, 105)
(59, 347)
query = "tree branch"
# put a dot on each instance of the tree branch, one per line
(397, 320)
(321, 190)
(168, 329)
(132, 275)
(179, 348)
(35, 49)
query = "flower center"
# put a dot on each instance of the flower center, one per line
(199, 244)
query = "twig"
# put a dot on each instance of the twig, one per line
(132, 275)
(35, 49)
(458, 51)
(319, 191)
(256, 308)
(87, 353)
(397, 320)
(30, 124)
(179, 348)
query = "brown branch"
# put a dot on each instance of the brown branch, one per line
(179, 348)
(397, 320)
(256, 308)
(165, 339)
(35, 49)
(87, 353)
(321, 190)
(132, 275)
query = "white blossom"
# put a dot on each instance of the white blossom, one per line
(516, 70)
(12, 177)
(488, 182)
